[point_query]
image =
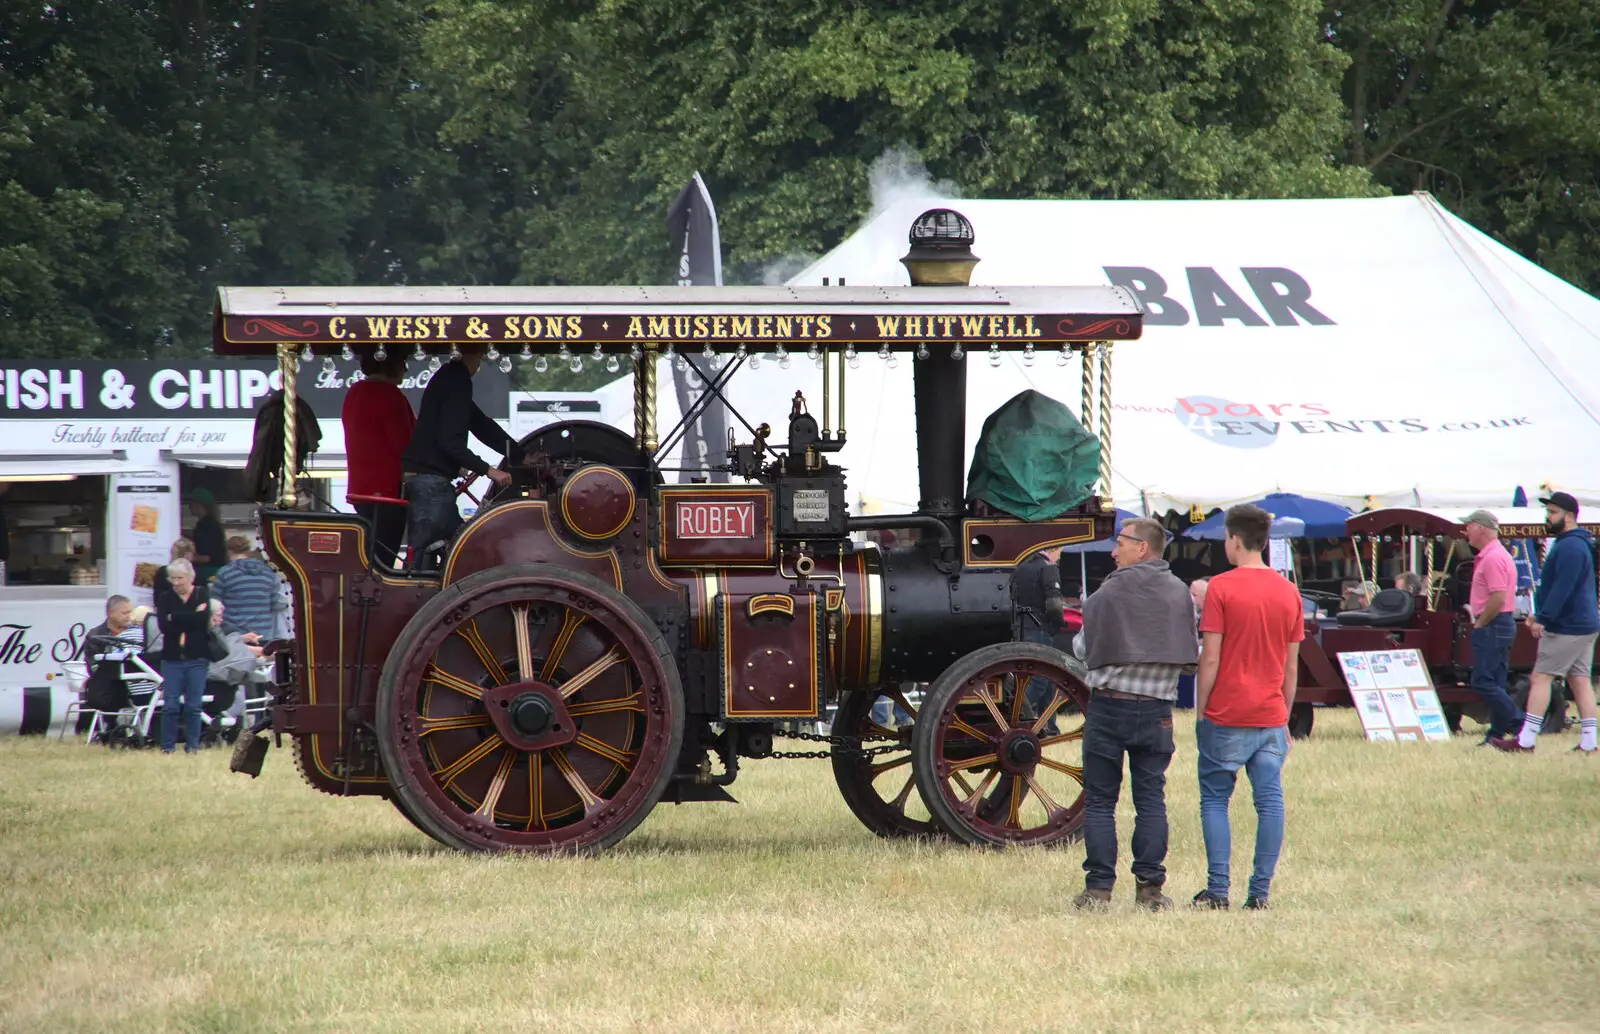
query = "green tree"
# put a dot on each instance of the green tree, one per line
(1492, 106)
(784, 105)
(151, 151)
(89, 247)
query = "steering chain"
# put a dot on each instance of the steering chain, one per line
(849, 744)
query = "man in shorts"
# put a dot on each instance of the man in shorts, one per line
(1566, 621)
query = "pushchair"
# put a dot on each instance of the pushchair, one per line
(118, 694)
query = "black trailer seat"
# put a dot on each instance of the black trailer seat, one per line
(1390, 608)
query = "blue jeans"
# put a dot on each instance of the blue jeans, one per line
(1260, 752)
(186, 681)
(431, 515)
(1039, 692)
(888, 713)
(1491, 658)
(1141, 729)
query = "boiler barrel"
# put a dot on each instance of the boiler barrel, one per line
(930, 620)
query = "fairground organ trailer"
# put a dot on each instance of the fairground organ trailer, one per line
(597, 640)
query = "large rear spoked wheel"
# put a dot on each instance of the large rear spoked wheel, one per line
(529, 708)
(994, 768)
(879, 789)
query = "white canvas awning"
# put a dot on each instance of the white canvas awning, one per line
(21, 466)
(238, 460)
(1365, 351)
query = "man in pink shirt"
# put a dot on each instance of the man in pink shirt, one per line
(1494, 585)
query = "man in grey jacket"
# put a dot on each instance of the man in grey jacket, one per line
(1138, 637)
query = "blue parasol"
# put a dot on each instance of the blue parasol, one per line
(1523, 553)
(1322, 520)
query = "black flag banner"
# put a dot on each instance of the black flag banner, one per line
(692, 228)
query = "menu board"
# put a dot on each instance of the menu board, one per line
(144, 521)
(1394, 695)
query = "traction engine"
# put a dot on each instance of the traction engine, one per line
(597, 641)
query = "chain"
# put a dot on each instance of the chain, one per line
(844, 742)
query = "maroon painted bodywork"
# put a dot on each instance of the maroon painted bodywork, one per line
(829, 623)
(336, 676)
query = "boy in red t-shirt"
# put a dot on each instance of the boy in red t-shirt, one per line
(1250, 630)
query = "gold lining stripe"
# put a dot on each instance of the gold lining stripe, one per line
(968, 527)
(656, 572)
(874, 645)
(706, 620)
(570, 620)
(480, 647)
(595, 669)
(770, 603)
(448, 775)
(435, 674)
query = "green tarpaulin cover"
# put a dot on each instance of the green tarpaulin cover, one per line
(1034, 460)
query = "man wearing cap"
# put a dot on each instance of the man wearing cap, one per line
(1566, 621)
(1494, 582)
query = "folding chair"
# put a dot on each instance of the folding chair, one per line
(261, 683)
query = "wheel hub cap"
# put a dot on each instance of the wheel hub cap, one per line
(1023, 752)
(530, 714)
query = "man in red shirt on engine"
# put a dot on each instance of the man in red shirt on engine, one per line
(378, 422)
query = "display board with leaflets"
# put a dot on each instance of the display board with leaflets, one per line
(1394, 695)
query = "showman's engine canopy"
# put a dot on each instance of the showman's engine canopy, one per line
(595, 639)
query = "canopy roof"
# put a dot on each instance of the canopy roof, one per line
(1316, 519)
(1370, 352)
(1516, 522)
(254, 320)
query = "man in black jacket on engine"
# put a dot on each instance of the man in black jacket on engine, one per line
(1138, 636)
(439, 453)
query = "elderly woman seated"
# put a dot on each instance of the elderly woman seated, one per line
(226, 679)
(1411, 582)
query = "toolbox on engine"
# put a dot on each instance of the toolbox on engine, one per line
(771, 651)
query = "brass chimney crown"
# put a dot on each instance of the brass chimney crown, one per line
(941, 249)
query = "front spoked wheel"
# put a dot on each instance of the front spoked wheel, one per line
(998, 762)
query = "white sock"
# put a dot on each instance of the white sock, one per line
(1586, 733)
(1530, 730)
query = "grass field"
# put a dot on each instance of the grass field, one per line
(1423, 887)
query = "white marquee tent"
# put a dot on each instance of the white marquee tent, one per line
(1368, 351)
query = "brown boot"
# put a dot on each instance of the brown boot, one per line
(1093, 898)
(1149, 896)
